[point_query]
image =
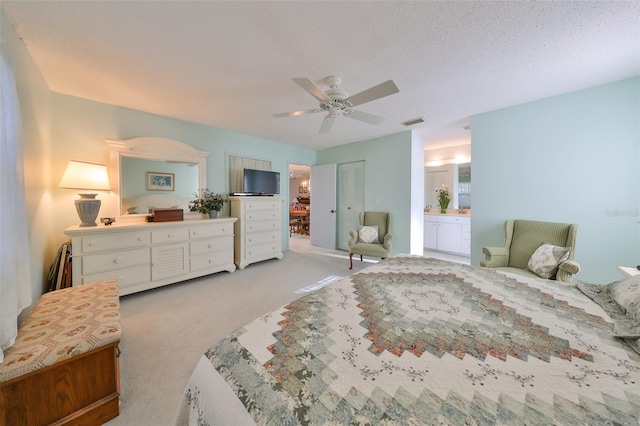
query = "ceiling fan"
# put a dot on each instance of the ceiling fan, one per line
(337, 102)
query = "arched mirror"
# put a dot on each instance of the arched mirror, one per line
(150, 172)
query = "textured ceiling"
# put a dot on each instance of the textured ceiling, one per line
(230, 64)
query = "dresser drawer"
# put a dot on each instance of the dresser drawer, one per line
(262, 238)
(253, 205)
(261, 250)
(260, 215)
(210, 246)
(265, 225)
(217, 260)
(464, 220)
(117, 241)
(171, 235)
(125, 277)
(217, 230)
(114, 260)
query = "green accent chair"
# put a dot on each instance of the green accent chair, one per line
(522, 238)
(379, 248)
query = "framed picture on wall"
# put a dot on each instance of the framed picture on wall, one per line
(160, 181)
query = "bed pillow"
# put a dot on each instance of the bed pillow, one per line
(624, 327)
(545, 260)
(368, 234)
(626, 293)
(138, 210)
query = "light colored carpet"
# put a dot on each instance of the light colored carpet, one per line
(166, 330)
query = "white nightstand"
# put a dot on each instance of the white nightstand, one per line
(628, 272)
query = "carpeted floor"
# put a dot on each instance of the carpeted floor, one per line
(165, 330)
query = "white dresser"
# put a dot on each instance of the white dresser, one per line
(258, 233)
(142, 256)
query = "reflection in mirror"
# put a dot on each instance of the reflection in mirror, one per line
(464, 186)
(179, 167)
(138, 197)
(457, 177)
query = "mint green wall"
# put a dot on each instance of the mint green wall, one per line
(572, 158)
(387, 178)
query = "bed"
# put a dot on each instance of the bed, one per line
(414, 340)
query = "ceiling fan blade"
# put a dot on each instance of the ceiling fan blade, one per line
(364, 116)
(295, 113)
(376, 92)
(311, 87)
(327, 123)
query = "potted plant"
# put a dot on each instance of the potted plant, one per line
(209, 203)
(443, 198)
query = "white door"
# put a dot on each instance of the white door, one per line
(323, 206)
(350, 200)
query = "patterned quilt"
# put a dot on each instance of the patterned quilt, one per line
(415, 340)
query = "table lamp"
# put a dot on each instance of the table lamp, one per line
(86, 176)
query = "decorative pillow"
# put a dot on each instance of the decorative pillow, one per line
(368, 234)
(626, 293)
(545, 260)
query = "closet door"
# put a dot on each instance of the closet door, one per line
(323, 206)
(350, 200)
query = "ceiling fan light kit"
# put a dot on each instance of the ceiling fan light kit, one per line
(336, 102)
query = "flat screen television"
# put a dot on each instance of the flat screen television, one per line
(261, 182)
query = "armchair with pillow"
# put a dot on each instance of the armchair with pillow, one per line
(373, 237)
(537, 249)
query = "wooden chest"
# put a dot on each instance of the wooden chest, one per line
(167, 215)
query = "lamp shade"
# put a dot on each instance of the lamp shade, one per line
(81, 175)
(87, 176)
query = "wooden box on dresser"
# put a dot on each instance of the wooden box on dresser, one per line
(258, 234)
(144, 255)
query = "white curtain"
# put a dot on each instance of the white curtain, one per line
(236, 169)
(15, 276)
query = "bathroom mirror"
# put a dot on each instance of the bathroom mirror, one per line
(150, 172)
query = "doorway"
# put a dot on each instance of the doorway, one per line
(299, 201)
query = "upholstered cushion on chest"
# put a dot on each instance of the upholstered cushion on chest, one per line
(63, 324)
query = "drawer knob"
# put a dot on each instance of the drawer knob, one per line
(91, 244)
(210, 245)
(117, 260)
(140, 238)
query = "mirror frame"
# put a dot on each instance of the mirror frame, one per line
(152, 148)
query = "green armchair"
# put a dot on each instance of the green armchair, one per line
(523, 237)
(364, 242)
